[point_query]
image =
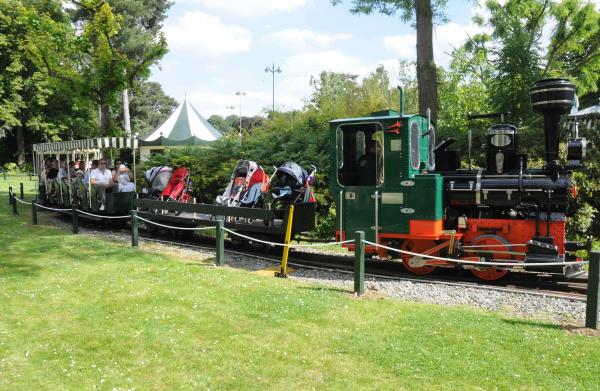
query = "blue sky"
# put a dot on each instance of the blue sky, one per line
(218, 47)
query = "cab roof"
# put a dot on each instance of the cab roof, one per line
(375, 116)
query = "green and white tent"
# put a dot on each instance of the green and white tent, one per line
(184, 127)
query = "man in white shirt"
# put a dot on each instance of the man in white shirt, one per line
(101, 178)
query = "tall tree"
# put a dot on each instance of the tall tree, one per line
(110, 50)
(424, 12)
(33, 106)
(150, 107)
(515, 53)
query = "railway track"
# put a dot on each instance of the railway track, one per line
(335, 263)
(539, 285)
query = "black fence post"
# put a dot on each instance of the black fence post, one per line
(14, 205)
(22, 192)
(10, 194)
(359, 262)
(134, 229)
(34, 219)
(220, 244)
(75, 216)
(593, 293)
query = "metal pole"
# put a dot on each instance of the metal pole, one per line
(240, 94)
(593, 293)
(34, 217)
(220, 244)
(75, 216)
(359, 262)
(134, 229)
(286, 250)
(273, 71)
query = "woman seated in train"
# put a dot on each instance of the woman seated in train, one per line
(123, 179)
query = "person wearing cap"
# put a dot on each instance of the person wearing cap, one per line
(101, 178)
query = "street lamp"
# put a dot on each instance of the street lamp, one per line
(240, 94)
(273, 70)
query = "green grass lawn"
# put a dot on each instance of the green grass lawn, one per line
(81, 312)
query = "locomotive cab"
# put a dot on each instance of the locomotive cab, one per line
(381, 179)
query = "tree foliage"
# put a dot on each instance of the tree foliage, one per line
(34, 106)
(149, 107)
(424, 13)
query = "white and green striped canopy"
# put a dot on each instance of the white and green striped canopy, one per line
(86, 145)
(185, 126)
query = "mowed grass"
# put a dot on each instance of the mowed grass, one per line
(82, 312)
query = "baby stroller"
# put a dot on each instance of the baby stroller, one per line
(177, 189)
(157, 179)
(247, 183)
(292, 184)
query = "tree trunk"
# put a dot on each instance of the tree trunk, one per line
(126, 119)
(426, 71)
(104, 120)
(20, 145)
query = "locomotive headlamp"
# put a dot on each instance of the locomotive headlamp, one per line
(501, 149)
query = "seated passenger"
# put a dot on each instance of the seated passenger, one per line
(52, 168)
(101, 178)
(124, 179)
(86, 177)
(369, 166)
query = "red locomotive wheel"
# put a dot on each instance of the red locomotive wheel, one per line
(418, 246)
(495, 248)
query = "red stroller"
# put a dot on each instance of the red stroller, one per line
(178, 186)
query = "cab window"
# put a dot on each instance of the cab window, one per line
(360, 154)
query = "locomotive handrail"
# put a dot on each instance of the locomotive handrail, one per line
(455, 260)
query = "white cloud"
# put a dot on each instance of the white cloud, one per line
(312, 63)
(251, 8)
(445, 39)
(200, 32)
(304, 38)
(402, 45)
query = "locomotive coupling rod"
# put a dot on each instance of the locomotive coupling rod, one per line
(286, 250)
(593, 291)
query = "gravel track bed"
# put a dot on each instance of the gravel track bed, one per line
(552, 309)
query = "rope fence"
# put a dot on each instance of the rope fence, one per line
(593, 298)
(286, 244)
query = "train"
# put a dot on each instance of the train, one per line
(409, 195)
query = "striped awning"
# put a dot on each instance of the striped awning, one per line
(86, 145)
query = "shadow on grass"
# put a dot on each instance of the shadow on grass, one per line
(325, 289)
(532, 323)
(21, 269)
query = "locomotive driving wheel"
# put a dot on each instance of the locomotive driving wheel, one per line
(490, 248)
(417, 246)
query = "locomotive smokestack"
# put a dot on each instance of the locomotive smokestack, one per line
(552, 98)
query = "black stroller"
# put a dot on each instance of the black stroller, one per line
(292, 185)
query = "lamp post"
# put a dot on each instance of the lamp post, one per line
(273, 70)
(240, 94)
